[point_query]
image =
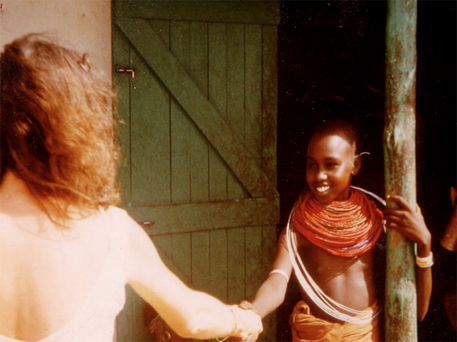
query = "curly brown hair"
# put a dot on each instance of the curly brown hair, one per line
(57, 125)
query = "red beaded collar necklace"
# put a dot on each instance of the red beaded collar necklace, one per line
(344, 228)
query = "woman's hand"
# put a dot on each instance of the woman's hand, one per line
(410, 222)
(249, 324)
(249, 337)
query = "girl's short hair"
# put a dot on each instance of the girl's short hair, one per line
(57, 125)
(341, 127)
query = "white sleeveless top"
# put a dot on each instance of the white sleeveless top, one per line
(95, 320)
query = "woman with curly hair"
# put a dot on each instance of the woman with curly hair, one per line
(66, 251)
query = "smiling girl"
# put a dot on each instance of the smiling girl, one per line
(329, 243)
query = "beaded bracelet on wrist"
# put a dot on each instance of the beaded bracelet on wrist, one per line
(234, 326)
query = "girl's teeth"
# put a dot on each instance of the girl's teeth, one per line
(322, 188)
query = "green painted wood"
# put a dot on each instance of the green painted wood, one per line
(217, 79)
(181, 124)
(181, 132)
(182, 256)
(201, 265)
(253, 94)
(236, 265)
(202, 112)
(199, 216)
(129, 321)
(400, 165)
(199, 149)
(218, 174)
(149, 137)
(163, 243)
(235, 97)
(221, 246)
(200, 249)
(164, 246)
(254, 270)
(258, 12)
(218, 264)
(269, 101)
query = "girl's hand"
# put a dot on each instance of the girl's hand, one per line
(245, 305)
(410, 222)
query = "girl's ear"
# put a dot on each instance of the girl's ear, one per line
(357, 164)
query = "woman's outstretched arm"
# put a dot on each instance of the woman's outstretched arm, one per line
(192, 314)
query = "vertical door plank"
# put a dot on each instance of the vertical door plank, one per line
(253, 143)
(217, 41)
(218, 264)
(164, 245)
(121, 53)
(235, 96)
(270, 101)
(182, 256)
(198, 64)
(181, 128)
(236, 265)
(147, 154)
(180, 122)
(201, 278)
(150, 139)
(217, 80)
(253, 114)
(254, 270)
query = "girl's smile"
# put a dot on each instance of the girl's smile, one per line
(331, 163)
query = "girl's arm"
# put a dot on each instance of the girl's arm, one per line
(271, 293)
(192, 314)
(410, 222)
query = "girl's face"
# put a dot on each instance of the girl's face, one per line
(331, 163)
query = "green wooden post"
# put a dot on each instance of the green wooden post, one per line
(400, 166)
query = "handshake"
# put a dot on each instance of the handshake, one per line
(247, 323)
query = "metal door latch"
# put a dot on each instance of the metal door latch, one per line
(130, 71)
(147, 223)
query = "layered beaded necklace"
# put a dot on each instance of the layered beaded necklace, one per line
(337, 222)
(344, 228)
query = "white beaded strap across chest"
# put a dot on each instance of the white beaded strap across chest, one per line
(324, 302)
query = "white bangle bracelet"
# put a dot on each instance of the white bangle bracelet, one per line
(281, 272)
(425, 262)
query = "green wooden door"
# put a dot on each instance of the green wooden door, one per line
(199, 140)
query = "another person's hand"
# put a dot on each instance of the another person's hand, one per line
(410, 222)
(249, 323)
(247, 317)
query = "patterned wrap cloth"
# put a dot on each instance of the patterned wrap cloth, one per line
(306, 328)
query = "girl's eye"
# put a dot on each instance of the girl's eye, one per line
(311, 165)
(331, 165)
